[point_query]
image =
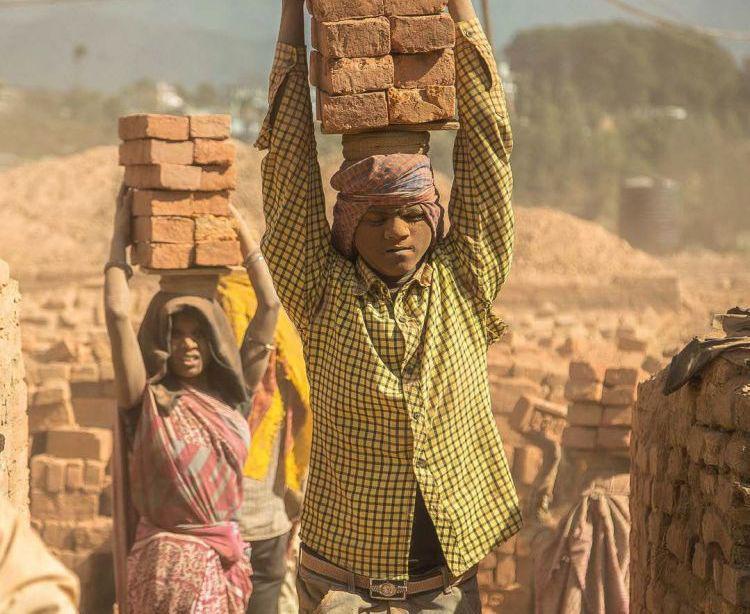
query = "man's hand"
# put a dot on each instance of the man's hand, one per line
(247, 243)
(461, 10)
(122, 223)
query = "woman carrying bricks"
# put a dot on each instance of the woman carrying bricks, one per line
(184, 391)
(408, 487)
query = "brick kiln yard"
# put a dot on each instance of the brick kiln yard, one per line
(590, 317)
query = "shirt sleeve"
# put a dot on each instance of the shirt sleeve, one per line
(482, 222)
(297, 243)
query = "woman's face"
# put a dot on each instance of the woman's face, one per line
(190, 350)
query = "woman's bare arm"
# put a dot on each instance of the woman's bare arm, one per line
(461, 10)
(259, 336)
(130, 372)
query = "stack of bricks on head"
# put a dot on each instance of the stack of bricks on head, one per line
(380, 63)
(181, 170)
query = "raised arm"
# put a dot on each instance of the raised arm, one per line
(127, 360)
(297, 241)
(259, 336)
(481, 213)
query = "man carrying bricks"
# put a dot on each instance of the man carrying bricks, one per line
(408, 487)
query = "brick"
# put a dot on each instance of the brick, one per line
(424, 69)
(163, 229)
(345, 114)
(578, 391)
(701, 563)
(351, 75)
(678, 540)
(87, 372)
(218, 178)
(210, 126)
(713, 447)
(622, 376)
(422, 34)
(160, 202)
(55, 475)
(613, 437)
(505, 572)
(535, 415)
(58, 534)
(164, 255)
(414, 7)
(527, 462)
(144, 126)
(619, 395)
(64, 506)
(52, 371)
(218, 253)
(733, 499)
(737, 454)
(153, 151)
(586, 371)
(696, 443)
(632, 344)
(163, 177)
(353, 38)
(38, 470)
(585, 414)
(93, 475)
(339, 10)
(94, 411)
(74, 474)
(88, 443)
(209, 151)
(617, 416)
(741, 408)
(52, 392)
(418, 106)
(214, 228)
(735, 585)
(505, 392)
(677, 464)
(45, 417)
(714, 530)
(579, 437)
(93, 534)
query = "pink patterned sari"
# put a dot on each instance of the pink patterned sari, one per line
(186, 484)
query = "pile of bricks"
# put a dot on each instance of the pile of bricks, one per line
(690, 502)
(601, 407)
(382, 62)
(182, 171)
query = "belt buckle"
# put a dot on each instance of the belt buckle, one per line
(388, 590)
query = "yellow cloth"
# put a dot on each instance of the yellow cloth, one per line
(238, 300)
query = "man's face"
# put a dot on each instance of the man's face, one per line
(393, 241)
(189, 346)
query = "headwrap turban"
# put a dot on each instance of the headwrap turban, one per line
(396, 180)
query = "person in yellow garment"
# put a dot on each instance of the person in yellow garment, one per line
(408, 487)
(281, 428)
(31, 579)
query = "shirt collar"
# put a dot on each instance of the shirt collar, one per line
(368, 280)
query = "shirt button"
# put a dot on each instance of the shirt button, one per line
(421, 463)
(417, 416)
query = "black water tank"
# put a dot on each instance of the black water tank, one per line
(651, 214)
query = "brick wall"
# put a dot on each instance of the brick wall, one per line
(690, 503)
(14, 476)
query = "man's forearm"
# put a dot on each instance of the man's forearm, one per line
(461, 10)
(292, 27)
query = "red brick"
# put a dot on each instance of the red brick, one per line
(737, 454)
(209, 151)
(423, 69)
(624, 376)
(585, 414)
(163, 177)
(353, 38)
(414, 7)
(94, 411)
(613, 438)
(45, 417)
(350, 113)
(64, 506)
(164, 255)
(93, 475)
(163, 229)
(713, 447)
(153, 151)
(144, 126)
(579, 437)
(580, 391)
(55, 476)
(617, 416)
(160, 202)
(586, 371)
(210, 126)
(418, 106)
(217, 178)
(351, 75)
(72, 442)
(339, 10)
(422, 34)
(619, 395)
(58, 534)
(214, 228)
(696, 443)
(74, 474)
(93, 534)
(527, 462)
(218, 253)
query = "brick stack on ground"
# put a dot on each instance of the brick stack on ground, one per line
(182, 172)
(690, 503)
(382, 62)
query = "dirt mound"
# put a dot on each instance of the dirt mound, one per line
(57, 216)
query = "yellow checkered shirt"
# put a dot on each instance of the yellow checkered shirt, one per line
(399, 387)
